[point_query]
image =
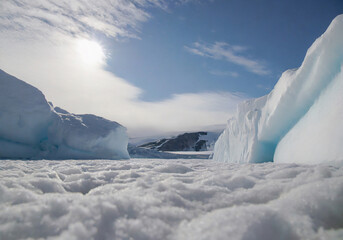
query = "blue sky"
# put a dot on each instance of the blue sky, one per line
(273, 33)
(158, 66)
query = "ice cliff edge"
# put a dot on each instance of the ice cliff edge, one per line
(301, 119)
(30, 128)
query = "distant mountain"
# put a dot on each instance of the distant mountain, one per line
(195, 141)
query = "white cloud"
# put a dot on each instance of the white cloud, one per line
(114, 18)
(224, 73)
(38, 44)
(74, 18)
(230, 53)
(59, 72)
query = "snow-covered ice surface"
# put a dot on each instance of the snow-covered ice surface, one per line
(208, 153)
(169, 199)
(139, 152)
(300, 121)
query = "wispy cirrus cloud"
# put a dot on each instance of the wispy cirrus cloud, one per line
(230, 53)
(114, 18)
(224, 73)
(75, 17)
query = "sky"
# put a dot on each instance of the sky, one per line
(158, 66)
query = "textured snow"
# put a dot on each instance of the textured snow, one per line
(169, 199)
(300, 119)
(31, 129)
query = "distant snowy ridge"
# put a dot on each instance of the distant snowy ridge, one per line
(30, 128)
(194, 141)
(300, 121)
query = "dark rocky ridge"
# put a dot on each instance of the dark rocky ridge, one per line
(182, 142)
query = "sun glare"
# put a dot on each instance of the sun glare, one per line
(91, 52)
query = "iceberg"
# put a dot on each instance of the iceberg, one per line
(31, 128)
(300, 120)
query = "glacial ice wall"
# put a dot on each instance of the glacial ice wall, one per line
(301, 119)
(30, 128)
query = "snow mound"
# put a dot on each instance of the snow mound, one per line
(169, 199)
(300, 120)
(30, 128)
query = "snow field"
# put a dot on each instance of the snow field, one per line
(169, 199)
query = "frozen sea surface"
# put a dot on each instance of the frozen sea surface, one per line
(169, 199)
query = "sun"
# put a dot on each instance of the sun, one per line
(91, 52)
